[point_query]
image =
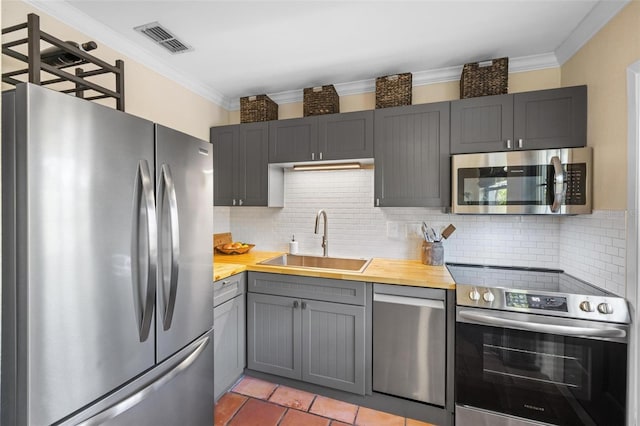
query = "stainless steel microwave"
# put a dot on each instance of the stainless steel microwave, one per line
(552, 181)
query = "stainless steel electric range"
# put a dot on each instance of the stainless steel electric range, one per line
(537, 346)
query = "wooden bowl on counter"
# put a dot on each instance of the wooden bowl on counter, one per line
(238, 250)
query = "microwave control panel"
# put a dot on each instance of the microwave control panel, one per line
(575, 177)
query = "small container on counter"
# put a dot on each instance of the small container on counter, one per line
(432, 253)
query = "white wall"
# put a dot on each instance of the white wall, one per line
(591, 247)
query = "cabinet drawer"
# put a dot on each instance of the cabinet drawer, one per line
(325, 289)
(228, 288)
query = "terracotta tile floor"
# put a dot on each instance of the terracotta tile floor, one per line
(255, 402)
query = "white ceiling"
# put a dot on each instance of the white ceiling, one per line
(244, 48)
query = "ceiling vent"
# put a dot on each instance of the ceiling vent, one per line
(162, 36)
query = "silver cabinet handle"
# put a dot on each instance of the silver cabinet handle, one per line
(169, 249)
(295, 304)
(377, 202)
(313, 155)
(132, 400)
(558, 184)
(520, 143)
(543, 328)
(144, 239)
(233, 202)
(304, 305)
(508, 143)
(321, 155)
(225, 283)
(240, 202)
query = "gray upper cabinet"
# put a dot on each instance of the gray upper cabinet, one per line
(483, 124)
(345, 136)
(291, 140)
(225, 158)
(555, 118)
(241, 156)
(325, 137)
(547, 119)
(411, 154)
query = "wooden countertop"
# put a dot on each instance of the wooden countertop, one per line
(387, 271)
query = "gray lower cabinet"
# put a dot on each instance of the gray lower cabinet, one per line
(241, 157)
(317, 341)
(542, 119)
(411, 152)
(333, 345)
(230, 332)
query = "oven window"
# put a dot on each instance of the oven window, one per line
(543, 377)
(533, 361)
(502, 186)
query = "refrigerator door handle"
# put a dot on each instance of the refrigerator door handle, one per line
(169, 231)
(131, 400)
(144, 247)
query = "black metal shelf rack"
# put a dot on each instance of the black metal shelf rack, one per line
(35, 66)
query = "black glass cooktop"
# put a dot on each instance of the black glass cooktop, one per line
(549, 280)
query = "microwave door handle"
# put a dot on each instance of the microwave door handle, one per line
(558, 184)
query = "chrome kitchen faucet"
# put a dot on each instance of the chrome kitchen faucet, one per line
(325, 235)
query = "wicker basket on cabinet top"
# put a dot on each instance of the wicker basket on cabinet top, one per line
(393, 90)
(257, 108)
(320, 100)
(484, 78)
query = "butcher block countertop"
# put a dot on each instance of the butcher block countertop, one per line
(387, 271)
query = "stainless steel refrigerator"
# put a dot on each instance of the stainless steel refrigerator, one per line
(107, 289)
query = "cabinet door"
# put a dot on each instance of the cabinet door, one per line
(225, 158)
(229, 344)
(273, 335)
(333, 345)
(554, 118)
(345, 136)
(253, 162)
(412, 156)
(293, 140)
(483, 124)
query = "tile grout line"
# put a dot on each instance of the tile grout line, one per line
(239, 407)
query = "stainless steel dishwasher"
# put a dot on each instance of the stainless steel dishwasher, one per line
(409, 342)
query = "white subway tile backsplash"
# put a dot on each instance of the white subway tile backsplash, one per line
(586, 246)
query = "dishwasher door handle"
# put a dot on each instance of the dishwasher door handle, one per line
(406, 300)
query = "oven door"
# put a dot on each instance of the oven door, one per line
(577, 377)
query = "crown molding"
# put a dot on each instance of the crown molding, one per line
(602, 13)
(72, 17)
(599, 16)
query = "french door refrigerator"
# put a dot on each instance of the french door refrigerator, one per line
(106, 266)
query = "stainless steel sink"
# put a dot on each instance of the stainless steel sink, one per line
(318, 262)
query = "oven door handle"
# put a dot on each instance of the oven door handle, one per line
(543, 328)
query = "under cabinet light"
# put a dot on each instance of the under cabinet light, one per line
(334, 166)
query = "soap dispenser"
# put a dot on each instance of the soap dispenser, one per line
(293, 245)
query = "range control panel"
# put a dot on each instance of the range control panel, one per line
(516, 299)
(598, 308)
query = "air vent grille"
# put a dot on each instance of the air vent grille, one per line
(163, 37)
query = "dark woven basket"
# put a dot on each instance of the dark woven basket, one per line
(320, 100)
(257, 108)
(483, 79)
(393, 90)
